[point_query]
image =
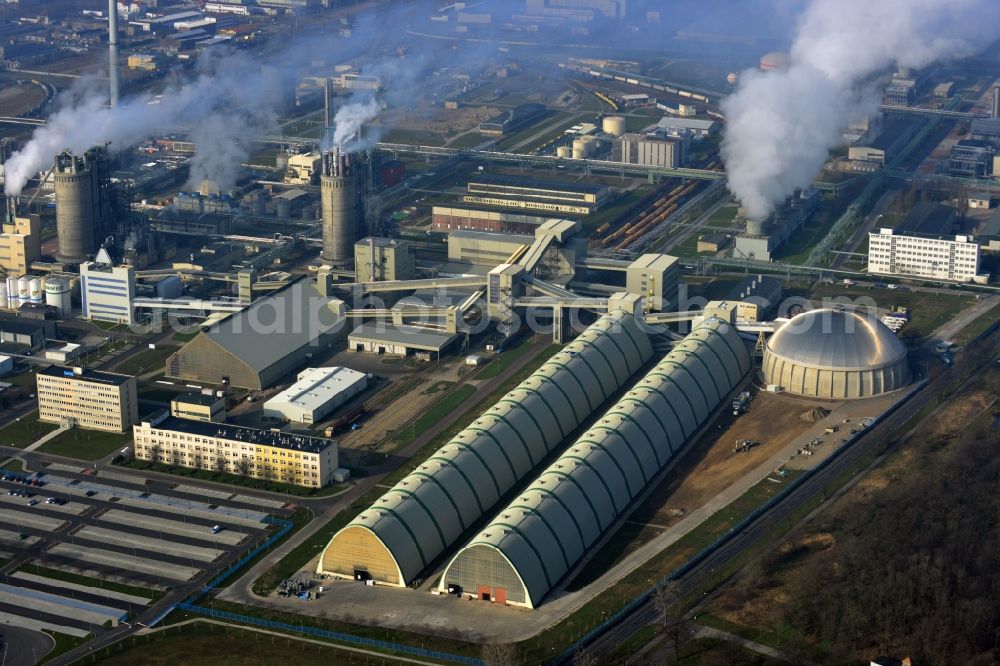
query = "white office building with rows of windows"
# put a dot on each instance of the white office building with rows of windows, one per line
(937, 257)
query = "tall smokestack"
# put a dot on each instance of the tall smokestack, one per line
(995, 111)
(341, 195)
(82, 202)
(113, 50)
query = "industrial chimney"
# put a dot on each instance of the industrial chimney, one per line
(113, 50)
(995, 110)
(82, 189)
(341, 197)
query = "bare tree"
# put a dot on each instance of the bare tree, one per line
(243, 466)
(156, 454)
(499, 654)
(221, 463)
(666, 598)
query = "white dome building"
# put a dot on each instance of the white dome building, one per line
(834, 354)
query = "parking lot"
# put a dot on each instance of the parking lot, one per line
(116, 530)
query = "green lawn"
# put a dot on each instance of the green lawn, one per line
(63, 644)
(145, 361)
(86, 444)
(26, 430)
(414, 137)
(976, 326)
(504, 360)
(24, 380)
(184, 337)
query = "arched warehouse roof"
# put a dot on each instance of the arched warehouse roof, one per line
(429, 510)
(535, 541)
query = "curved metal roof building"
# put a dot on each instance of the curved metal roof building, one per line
(429, 510)
(835, 354)
(544, 532)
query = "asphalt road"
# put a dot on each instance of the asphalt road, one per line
(23, 647)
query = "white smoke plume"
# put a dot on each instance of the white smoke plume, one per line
(350, 118)
(780, 125)
(226, 102)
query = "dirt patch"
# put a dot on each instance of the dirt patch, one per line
(711, 465)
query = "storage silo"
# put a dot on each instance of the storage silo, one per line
(564, 151)
(3, 294)
(57, 294)
(341, 192)
(23, 290)
(283, 208)
(12, 299)
(35, 291)
(82, 185)
(613, 125)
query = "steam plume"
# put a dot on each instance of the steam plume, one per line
(782, 124)
(226, 102)
(351, 117)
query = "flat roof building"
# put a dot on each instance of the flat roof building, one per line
(199, 407)
(512, 120)
(316, 393)
(272, 455)
(87, 399)
(756, 297)
(397, 340)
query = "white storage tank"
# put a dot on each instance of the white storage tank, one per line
(564, 151)
(12, 300)
(57, 294)
(613, 125)
(4, 303)
(23, 290)
(35, 291)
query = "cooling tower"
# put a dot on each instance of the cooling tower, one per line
(82, 204)
(341, 190)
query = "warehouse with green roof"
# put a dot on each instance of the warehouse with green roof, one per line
(532, 544)
(427, 512)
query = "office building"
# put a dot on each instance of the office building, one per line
(87, 399)
(272, 455)
(316, 393)
(923, 245)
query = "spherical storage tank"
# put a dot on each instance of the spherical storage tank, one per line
(57, 294)
(613, 125)
(834, 354)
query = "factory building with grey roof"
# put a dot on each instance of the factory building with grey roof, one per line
(540, 537)
(427, 512)
(271, 338)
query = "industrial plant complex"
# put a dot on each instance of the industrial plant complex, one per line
(452, 335)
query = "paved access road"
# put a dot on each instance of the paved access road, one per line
(23, 647)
